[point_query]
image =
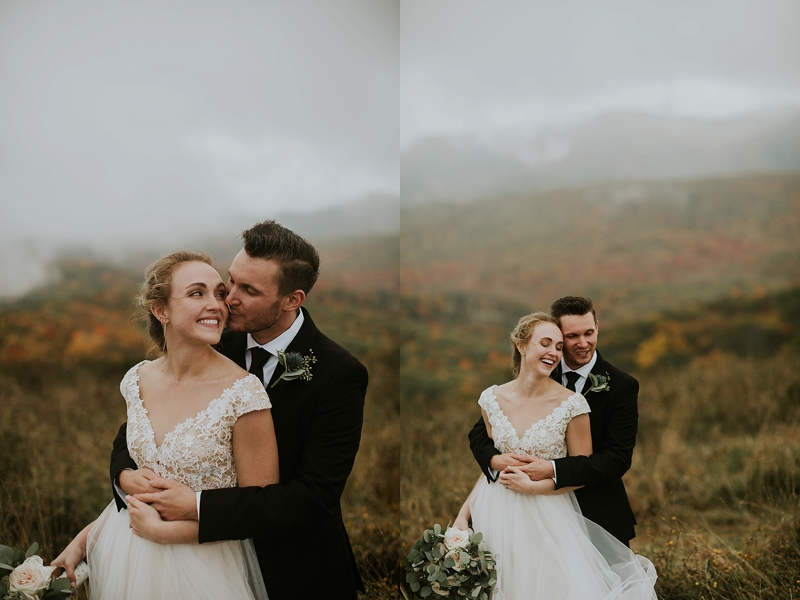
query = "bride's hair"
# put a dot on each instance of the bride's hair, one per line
(522, 334)
(155, 291)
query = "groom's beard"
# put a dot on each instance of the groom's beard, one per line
(253, 323)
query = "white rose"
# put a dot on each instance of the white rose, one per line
(30, 578)
(455, 538)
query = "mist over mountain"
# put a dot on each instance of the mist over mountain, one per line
(25, 264)
(610, 147)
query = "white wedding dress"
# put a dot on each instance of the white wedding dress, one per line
(198, 453)
(544, 547)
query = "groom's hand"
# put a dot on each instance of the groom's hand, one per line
(534, 467)
(174, 501)
(500, 462)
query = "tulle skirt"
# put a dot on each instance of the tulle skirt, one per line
(546, 550)
(124, 566)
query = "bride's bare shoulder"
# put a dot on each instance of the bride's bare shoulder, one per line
(147, 370)
(560, 392)
(230, 370)
(504, 390)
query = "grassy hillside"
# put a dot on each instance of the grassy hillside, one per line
(65, 347)
(635, 248)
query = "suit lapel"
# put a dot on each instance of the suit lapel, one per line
(598, 369)
(302, 343)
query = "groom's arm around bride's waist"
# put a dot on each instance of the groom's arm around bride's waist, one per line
(310, 492)
(614, 422)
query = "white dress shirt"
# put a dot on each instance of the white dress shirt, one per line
(579, 385)
(279, 343)
(583, 372)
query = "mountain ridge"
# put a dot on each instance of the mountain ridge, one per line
(610, 147)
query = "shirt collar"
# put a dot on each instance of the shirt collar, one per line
(282, 341)
(584, 370)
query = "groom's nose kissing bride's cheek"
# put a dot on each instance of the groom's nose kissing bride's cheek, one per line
(553, 444)
(245, 388)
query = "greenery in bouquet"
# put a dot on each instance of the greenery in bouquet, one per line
(450, 563)
(24, 576)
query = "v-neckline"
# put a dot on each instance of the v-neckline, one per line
(532, 425)
(181, 423)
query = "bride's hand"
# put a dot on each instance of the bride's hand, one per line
(516, 480)
(145, 520)
(137, 482)
(73, 554)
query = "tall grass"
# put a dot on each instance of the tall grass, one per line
(714, 483)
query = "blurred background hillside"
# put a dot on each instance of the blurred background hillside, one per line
(647, 156)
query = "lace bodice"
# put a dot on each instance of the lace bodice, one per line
(546, 438)
(198, 451)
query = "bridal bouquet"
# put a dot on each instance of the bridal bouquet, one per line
(450, 563)
(23, 576)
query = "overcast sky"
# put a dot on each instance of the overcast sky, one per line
(480, 67)
(155, 119)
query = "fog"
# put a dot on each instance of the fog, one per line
(482, 68)
(166, 116)
(124, 123)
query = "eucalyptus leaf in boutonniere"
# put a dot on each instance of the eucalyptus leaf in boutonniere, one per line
(600, 383)
(295, 366)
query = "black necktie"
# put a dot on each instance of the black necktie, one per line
(258, 358)
(572, 379)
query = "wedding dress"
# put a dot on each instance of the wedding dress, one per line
(544, 547)
(198, 453)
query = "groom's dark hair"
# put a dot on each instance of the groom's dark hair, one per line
(298, 259)
(572, 305)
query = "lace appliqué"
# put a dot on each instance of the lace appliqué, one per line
(546, 438)
(198, 452)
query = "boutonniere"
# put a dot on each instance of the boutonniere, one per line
(295, 366)
(600, 383)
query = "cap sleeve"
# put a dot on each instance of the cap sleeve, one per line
(578, 406)
(130, 383)
(485, 401)
(251, 396)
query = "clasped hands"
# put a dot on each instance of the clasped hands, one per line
(153, 499)
(524, 474)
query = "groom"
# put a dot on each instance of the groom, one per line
(296, 525)
(612, 396)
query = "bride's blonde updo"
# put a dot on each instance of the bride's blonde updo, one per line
(155, 291)
(522, 334)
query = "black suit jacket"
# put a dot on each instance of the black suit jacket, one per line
(318, 429)
(614, 422)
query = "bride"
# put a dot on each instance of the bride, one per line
(193, 416)
(545, 548)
